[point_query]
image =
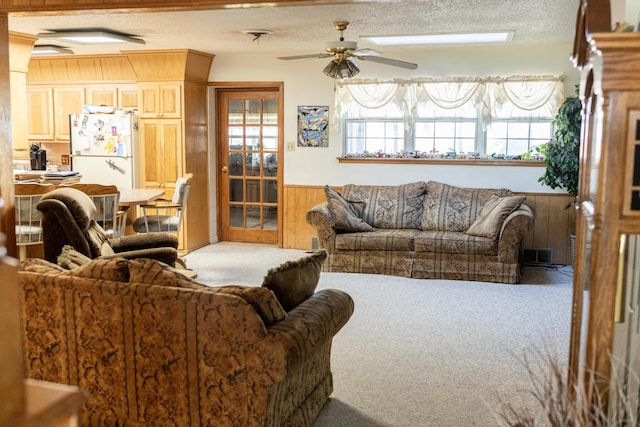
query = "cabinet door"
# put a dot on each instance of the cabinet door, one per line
(102, 95)
(40, 113)
(160, 100)
(128, 96)
(160, 153)
(66, 101)
(19, 127)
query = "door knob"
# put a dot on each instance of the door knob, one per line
(224, 169)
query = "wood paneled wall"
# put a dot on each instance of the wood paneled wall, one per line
(552, 225)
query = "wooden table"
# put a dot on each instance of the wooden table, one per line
(130, 198)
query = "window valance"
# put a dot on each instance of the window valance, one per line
(490, 98)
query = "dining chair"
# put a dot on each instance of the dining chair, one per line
(165, 215)
(106, 199)
(27, 217)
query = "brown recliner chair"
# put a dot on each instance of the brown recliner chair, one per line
(68, 218)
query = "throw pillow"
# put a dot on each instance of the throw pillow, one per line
(493, 214)
(69, 258)
(345, 215)
(263, 301)
(115, 269)
(295, 281)
(146, 270)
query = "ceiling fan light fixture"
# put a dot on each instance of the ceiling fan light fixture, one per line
(90, 36)
(341, 69)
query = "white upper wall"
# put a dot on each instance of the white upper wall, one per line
(305, 84)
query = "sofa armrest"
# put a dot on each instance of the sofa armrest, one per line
(319, 218)
(515, 226)
(306, 329)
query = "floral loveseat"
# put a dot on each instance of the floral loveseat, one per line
(154, 348)
(426, 230)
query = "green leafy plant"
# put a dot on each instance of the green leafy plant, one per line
(563, 150)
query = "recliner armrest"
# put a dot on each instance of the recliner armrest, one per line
(144, 241)
(165, 255)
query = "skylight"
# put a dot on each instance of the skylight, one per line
(485, 37)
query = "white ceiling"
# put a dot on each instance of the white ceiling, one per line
(305, 29)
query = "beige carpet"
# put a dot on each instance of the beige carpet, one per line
(422, 352)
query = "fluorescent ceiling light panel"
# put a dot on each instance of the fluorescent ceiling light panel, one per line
(50, 50)
(494, 37)
(90, 37)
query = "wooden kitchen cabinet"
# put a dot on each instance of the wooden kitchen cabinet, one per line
(48, 111)
(119, 96)
(40, 113)
(160, 100)
(160, 153)
(66, 100)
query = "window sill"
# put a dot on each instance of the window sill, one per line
(448, 162)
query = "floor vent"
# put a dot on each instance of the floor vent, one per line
(537, 257)
(314, 243)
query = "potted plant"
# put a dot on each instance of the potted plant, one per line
(562, 156)
(562, 153)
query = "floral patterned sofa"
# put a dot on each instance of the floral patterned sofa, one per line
(426, 230)
(154, 348)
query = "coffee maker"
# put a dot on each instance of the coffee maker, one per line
(38, 158)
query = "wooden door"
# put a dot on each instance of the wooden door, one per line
(102, 95)
(250, 165)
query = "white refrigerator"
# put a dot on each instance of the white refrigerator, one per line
(104, 148)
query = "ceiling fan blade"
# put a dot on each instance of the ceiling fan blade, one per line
(367, 52)
(389, 61)
(312, 55)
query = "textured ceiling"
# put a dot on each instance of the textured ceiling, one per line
(305, 29)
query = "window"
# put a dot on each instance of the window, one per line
(437, 116)
(513, 137)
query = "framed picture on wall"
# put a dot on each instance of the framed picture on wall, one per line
(313, 126)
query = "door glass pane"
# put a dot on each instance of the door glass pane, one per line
(253, 111)
(270, 112)
(270, 164)
(235, 216)
(235, 164)
(253, 164)
(253, 217)
(270, 138)
(235, 190)
(253, 190)
(235, 112)
(236, 137)
(253, 138)
(270, 217)
(270, 191)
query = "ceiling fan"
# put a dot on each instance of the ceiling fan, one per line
(344, 52)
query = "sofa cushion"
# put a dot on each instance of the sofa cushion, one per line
(295, 281)
(450, 208)
(70, 258)
(389, 207)
(345, 215)
(379, 240)
(454, 242)
(493, 214)
(115, 269)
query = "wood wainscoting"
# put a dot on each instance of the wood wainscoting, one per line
(551, 229)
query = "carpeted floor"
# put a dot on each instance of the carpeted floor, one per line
(423, 352)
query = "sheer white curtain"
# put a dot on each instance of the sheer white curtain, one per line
(488, 98)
